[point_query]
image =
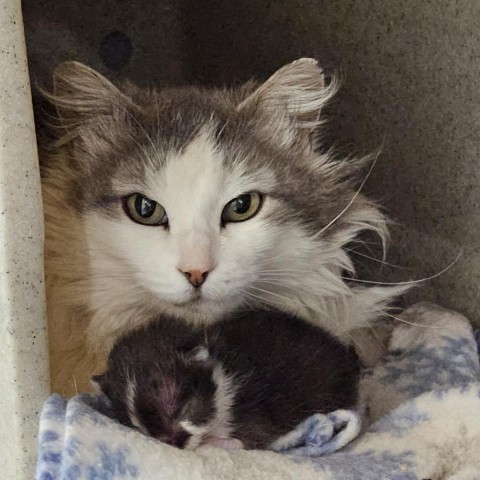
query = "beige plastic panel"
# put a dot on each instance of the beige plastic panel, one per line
(23, 341)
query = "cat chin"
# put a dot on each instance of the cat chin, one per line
(196, 306)
(200, 310)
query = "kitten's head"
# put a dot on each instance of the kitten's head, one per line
(206, 199)
(178, 397)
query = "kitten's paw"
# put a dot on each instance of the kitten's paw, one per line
(224, 443)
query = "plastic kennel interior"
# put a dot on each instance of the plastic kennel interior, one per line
(411, 82)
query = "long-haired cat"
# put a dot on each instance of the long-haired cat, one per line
(193, 202)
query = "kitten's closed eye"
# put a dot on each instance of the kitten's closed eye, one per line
(197, 410)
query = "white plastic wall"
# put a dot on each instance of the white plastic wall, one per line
(24, 375)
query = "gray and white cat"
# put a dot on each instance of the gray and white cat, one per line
(193, 202)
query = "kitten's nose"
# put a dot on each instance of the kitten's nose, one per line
(195, 277)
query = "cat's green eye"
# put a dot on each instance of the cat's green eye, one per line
(142, 210)
(242, 208)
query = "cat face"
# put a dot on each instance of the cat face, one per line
(194, 189)
(205, 199)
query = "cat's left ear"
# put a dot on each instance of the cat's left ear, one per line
(82, 94)
(287, 106)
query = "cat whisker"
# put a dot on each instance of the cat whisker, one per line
(270, 260)
(413, 324)
(351, 250)
(265, 299)
(257, 298)
(272, 275)
(289, 270)
(410, 282)
(385, 313)
(292, 284)
(365, 242)
(278, 284)
(270, 293)
(286, 275)
(280, 279)
(325, 276)
(357, 193)
(367, 246)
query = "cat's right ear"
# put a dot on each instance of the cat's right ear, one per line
(81, 94)
(287, 106)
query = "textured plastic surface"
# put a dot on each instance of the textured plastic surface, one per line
(24, 375)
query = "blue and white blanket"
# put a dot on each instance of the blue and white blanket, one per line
(422, 401)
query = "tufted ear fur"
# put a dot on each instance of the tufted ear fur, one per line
(288, 104)
(81, 94)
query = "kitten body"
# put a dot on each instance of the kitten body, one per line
(193, 151)
(241, 382)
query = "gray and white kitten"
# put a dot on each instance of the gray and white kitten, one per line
(193, 202)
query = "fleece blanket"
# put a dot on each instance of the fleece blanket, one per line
(422, 410)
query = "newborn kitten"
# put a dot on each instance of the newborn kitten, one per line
(250, 379)
(191, 203)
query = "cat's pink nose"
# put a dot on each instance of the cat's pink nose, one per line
(195, 277)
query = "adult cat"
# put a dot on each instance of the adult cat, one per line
(193, 202)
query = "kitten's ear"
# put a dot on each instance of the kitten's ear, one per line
(199, 354)
(289, 102)
(81, 93)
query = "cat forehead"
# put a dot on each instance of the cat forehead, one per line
(200, 169)
(173, 117)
